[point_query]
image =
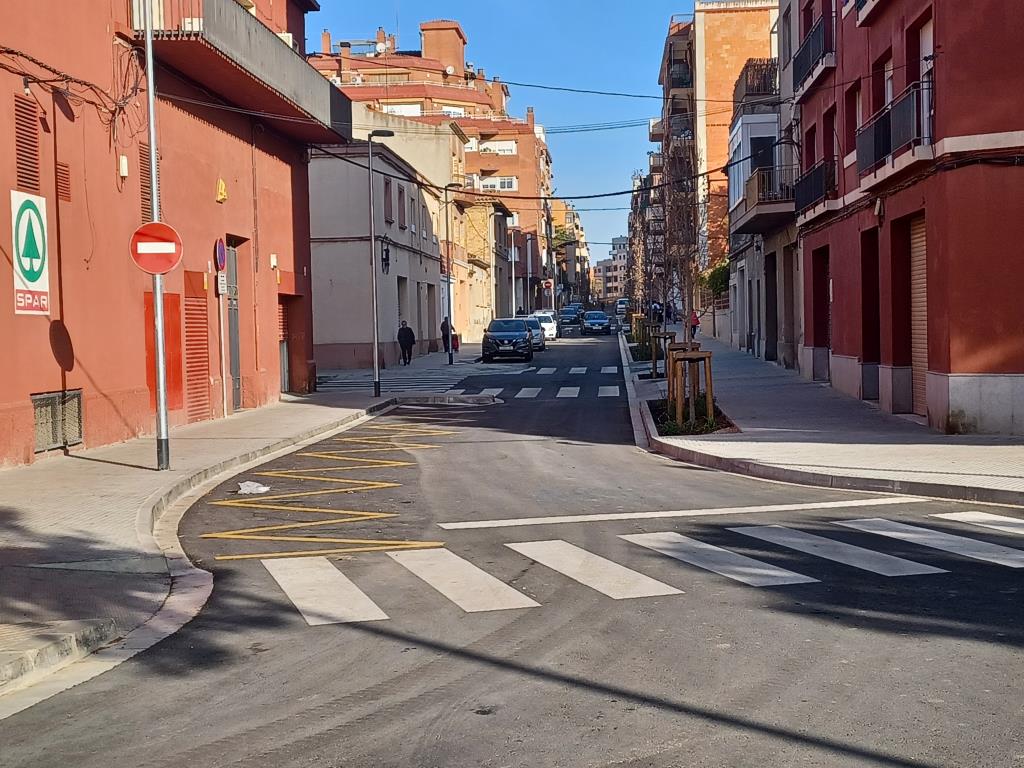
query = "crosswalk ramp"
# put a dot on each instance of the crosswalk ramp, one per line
(323, 594)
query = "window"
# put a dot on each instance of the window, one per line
(26, 143)
(451, 111)
(853, 117)
(389, 211)
(829, 137)
(786, 37)
(810, 146)
(402, 221)
(889, 82)
(424, 220)
(508, 183)
(499, 147)
(406, 110)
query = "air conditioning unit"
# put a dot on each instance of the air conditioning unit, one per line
(289, 40)
(336, 80)
(357, 79)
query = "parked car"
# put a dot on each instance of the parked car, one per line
(538, 333)
(596, 322)
(507, 337)
(548, 323)
(568, 317)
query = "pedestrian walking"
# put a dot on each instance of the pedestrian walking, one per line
(406, 340)
(694, 324)
(447, 333)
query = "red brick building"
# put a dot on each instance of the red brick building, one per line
(909, 204)
(237, 106)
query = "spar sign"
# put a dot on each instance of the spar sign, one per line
(31, 258)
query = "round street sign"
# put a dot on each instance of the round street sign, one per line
(220, 254)
(156, 248)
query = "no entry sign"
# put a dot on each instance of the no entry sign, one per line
(156, 248)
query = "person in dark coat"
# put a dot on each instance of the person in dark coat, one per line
(446, 327)
(406, 340)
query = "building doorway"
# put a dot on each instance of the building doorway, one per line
(234, 355)
(870, 314)
(919, 315)
(821, 313)
(771, 303)
(282, 342)
(788, 307)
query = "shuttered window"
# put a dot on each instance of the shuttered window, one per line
(145, 183)
(64, 182)
(282, 322)
(919, 315)
(197, 359)
(26, 144)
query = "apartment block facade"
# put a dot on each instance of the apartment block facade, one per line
(911, 151)
(609, 275)
(237, 106)
(504, 156)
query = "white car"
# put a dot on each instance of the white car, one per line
(536, 333)
(548, 323)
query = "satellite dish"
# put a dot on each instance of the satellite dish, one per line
(380, 47)
(449, 70)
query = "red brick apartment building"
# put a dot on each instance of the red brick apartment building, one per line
(435, 84)
(73, 124)
(909, 203)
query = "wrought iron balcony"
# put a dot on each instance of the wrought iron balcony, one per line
(656, 161)
(904, 123)
(223, 47)
(817, 49)
(815, 186)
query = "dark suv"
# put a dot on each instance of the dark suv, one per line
(508, 337)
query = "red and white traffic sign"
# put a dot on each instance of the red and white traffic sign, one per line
(156, 248)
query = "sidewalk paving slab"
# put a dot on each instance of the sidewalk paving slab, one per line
(77, 537)
(796, 430)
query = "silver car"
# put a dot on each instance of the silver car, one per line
(537, 330)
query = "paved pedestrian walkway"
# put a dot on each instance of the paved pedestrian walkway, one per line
(76, 543)
(794, 429)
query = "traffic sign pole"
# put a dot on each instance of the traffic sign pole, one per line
(163, 445)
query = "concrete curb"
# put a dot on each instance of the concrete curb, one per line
(51, 646)
(156, 524)
(636, 413)
(652, 441)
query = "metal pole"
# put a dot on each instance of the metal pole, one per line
(529, 272)
(448, 262)
(512, 260)
(373, 272)
(163, 445)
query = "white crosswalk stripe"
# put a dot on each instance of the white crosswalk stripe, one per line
(610, 369)
(469, 587)
(455, 392)
(986, 520)
(609, 578)
(721, 561)
(322, 593)
(838, 551)
(493, 391)
(568, 392)
(608, 391)
(527, 393)
(546, 371)
(946, 542)
(577, 370)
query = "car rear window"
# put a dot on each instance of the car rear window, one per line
(596, 316)
(533, 322)
(506, 326)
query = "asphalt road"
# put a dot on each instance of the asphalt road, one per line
(408, 600)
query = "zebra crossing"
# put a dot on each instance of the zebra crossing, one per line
(442, 380)
(533, 393)
(323, 594)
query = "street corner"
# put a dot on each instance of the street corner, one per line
(350, 493)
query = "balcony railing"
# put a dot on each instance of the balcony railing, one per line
(681, 126)
(770, 185)
(905, 122)
(815, 186)
(758, 78)
(196, 36)
(812, 50)
(680, 76)
(656, 161)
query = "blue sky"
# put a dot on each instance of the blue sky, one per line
(599, 44)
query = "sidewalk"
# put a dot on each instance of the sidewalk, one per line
(79, 563)
(795, 430)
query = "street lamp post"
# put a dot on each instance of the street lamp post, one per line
(381, 133)
(448, 271)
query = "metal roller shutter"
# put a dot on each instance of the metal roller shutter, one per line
(282, 321)
(919, 315)
(197, 359)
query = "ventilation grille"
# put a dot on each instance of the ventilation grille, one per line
(145, 182)
(26, 144)
(64, 182)
(58, 419)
